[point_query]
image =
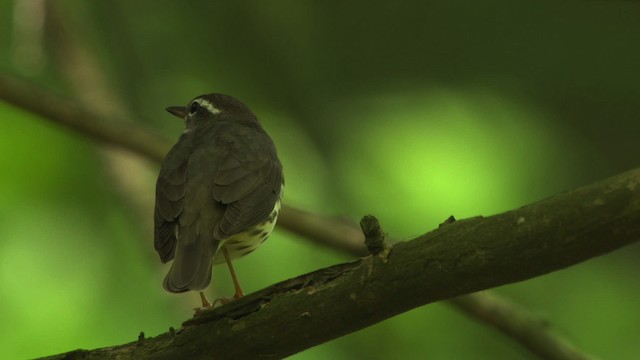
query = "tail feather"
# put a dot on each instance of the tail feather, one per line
(192, 266)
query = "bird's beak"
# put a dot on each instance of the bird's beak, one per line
(179, 111)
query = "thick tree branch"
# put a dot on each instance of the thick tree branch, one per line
(459, 258)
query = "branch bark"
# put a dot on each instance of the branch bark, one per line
(459, 258)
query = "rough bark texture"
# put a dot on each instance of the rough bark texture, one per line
(458, 258)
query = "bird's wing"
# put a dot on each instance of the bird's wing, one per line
(249, 181)
(170, 191)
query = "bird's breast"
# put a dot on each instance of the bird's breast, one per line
(247, 241)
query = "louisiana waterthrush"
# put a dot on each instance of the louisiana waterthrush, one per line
(218, 192)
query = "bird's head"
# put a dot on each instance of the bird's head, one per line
(212, 108)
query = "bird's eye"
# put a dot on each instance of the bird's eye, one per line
(194, 107)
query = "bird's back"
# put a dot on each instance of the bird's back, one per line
(231, 183)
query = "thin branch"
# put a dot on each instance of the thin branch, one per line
(334, 232)
(460, 258)
(528, 329)
(374, 237)
(124, 134)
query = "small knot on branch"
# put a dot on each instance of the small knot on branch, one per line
(373, 235)
(450, 220)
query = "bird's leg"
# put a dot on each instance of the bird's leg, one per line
(239, 293)
(205, 305)
(205, 302)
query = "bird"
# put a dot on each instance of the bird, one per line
(218, 193)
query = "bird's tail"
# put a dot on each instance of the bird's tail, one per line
(191, 268)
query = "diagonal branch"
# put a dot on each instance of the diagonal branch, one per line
(459, 258)
(118, 132)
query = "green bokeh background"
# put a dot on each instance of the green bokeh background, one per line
(409, 110)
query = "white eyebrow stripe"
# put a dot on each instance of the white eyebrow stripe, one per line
(209, 106)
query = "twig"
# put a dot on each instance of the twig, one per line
(374, 237)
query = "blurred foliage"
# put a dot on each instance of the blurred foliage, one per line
(412, 111)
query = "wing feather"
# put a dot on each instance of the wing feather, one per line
(249, 181)
(170, 192)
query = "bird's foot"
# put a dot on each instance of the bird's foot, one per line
(226, 300)
(206, 305)
(201, 310)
